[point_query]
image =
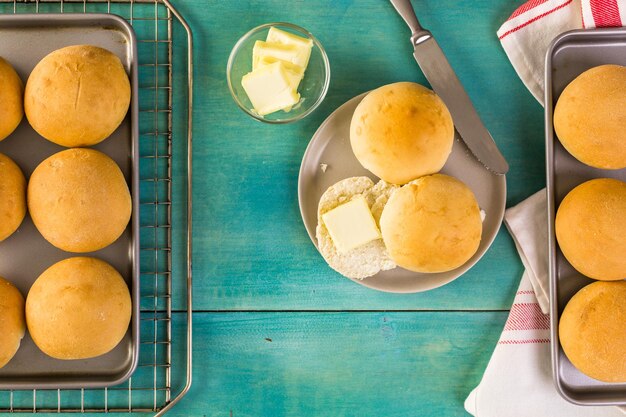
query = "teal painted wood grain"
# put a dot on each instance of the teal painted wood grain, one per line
(338, 364)
(251, 249)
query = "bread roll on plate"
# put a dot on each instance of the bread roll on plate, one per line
(12, 323)
(11, 99)
(592, 331)
(432, 224)
(79, 200)
(12, 197)
(79, 308)
(590, 116)
(77, 95)
(402, 131)
(365, 260)
(590, 228)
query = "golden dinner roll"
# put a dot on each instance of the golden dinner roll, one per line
(11, 99)
(77, 95)
(432, 224)
(370, 258)
(590, 228)
(402, 131)
(79, 200)
(590, 116)
(78, 308)
(12, 197)
(591, 331)
(12, 323)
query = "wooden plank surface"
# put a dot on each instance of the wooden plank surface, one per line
(251, 249)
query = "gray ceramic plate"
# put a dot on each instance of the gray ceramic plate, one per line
(330, 145)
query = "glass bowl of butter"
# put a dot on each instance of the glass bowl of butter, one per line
(278, 73)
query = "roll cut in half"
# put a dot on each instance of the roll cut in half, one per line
(592, 332)
(77, 95)
(590, 228)
(402, 131)
(432, 224)
(12, 323)
(79, 308)
(79, 200)
(590, 115)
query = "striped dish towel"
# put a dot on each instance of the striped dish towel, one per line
(518, 379)
(526, 35)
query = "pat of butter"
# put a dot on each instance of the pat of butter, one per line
(294, 72)
(285, 38)
(293, 54)
(351, 225)
(269, 89)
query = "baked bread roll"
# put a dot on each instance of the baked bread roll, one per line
(592, 333)
(79, 308)
(11, 99)
(12, 323)
(12, 197)
(77, 95)
(79, 200)
(590, 116)
(370, 258)
(432, 224)
(402, 131)
(590, 228)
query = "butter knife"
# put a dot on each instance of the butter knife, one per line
(445, 83)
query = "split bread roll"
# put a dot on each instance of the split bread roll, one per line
(79, 200)
(402, 131)
(11, 99)
(590, 227)
(432, 224)
(590, 116)
(78, 308)
(365, 260)
(12, 323)
(77, 95)
(12, 197)
(591, 331)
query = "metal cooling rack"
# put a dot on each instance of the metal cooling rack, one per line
(159, 381)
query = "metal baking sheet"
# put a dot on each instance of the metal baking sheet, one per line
(571, 54)
(26, 39)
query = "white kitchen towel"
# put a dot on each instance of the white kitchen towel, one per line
(526, 35)
(518, 379)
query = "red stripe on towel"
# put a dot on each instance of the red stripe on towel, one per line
(523, 342)
(527, 316)
(529, 5)
(534, 19)
(605, 13)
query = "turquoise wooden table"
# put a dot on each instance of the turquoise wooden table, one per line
(277, 332)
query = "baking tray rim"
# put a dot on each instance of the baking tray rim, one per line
(108, 20)
(551, 207)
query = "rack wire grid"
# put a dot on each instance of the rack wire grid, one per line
(150, 389)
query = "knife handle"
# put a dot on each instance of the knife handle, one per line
(405, 9)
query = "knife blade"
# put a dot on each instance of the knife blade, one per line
(446, 84)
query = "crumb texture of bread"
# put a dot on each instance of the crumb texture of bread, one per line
(12, 321)
(77, 95)
(590, 115)
(79, 200)
(592, 331)
(79, 308)
(402, 131)
(432, 224)
(590, 228)
(11, 99)
(12, 197)
(365, 260)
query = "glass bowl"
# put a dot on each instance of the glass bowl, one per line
(313, 86)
